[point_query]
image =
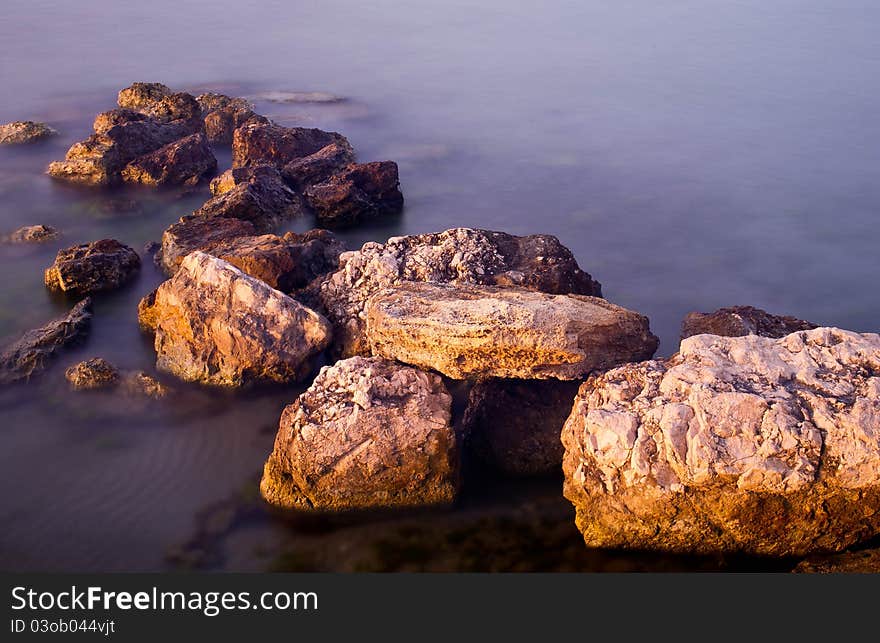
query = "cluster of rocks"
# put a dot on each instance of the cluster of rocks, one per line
(97, 374)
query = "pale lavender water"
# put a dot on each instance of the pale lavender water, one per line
(692, 155)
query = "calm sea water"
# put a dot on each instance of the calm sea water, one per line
(691, 154)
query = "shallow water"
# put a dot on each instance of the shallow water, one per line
(692, 155)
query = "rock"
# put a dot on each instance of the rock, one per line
(866, 561)
(92, 374)
(36, 348)
(159, 102)
(286, 263)
(259, 143)
(475, 332)
(220, 124)
(300, 97)
(306, 171)
(234, 176)
(459, 255)
(359, 192)
(515, 425)
(21, 132)
(139, 383)
(92, 267)
(216, 325)
(368, 433)
(142, 97)
(105, 121)
(185, 161)
(197, 233)
(735, 444)
(741, 320)
(151, 248)
(147, 313)
(211, 102)
(32, 234)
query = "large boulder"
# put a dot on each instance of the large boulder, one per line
(306, 171)
(515, 425)
(459, 255)
(92, 267)
(476, 332)
(735, 444)
(359, 192)
(741, 320)
(34, 351)
(186, 161)
(267, 143)
(197, 233)
(286, 263)
(368, 433)
(21, 132)
(216, 325)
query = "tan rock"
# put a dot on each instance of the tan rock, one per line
(367, 433)
(470, 332)
(24, 132)
(216, 325)
(746, 444)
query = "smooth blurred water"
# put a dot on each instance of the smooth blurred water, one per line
(692, 154)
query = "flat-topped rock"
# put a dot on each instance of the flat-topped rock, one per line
(307, 171)
(24, 132)
(216, 325)
(186, 161)
(198, 233)
(32, 234)
(741, 320)
(92, 267)
(475, 332)
(735, 444)
(368, 433)
(267, 143)
(359, 192)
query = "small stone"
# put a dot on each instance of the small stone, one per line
(24, 132)
(92, 374)
(33, 234)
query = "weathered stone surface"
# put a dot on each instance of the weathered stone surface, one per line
(515, 425)
(475, 332)
(211, 101)
(459, 255)
(34, 351)
(304, 172)
(186, 161)
(92, 267)
(367, 433)
(105, 121)
(234, 176)
(216, 325)
(866, 561)
(147, 313)
(748, 444)
(142, 97)
(741, 320)
(22, 132)
(140, 384)
(197, 233)
(359, 192)
(159, 102)
(259, 143)
(92, 374)
(32, 234)
(220, 124)
(286, 263)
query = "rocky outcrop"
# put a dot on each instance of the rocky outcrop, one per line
(367, 433)
(459, 255)
(142, 97)
(197, 233)
(23, 132)
(475, 332)
(92, 267)
(743, 444)
(158, 102)
(741, 320)
(359, 192)
(216, 325)
(267, 143)
(285, 263)
(306, 171)
(98, 374)
(34, 351)
(32, 234)
(515, 425)
(186, 161)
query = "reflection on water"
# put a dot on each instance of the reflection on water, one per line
(691, 156)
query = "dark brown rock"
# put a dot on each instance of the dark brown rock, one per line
(220, 124)
(515, 425)
(198, 233)
(738, 321)
(361, 191)
(185, 161)
(92, 374)
(92, 267)
(259, 143)
(23, 132)
(865, 561)
(211, 101)
(33, 352)
(304, 172)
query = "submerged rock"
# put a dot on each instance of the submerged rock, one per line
(186, 161)
(23, 132)
(92, 374)
(32, 234)
(92, 267)
(267, 143)
(459, 255)
(515, 425)
(306, 171)
(211, 101)
(368, 433)
(361, 191)
(33, 352)
(216, 325)
(475, 332)
(300, 97)
(739, 321)
(745, 444)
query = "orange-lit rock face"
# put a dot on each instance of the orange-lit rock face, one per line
(92, 267)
